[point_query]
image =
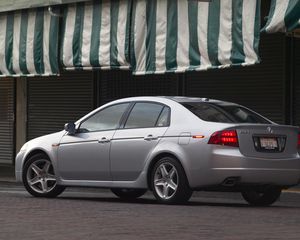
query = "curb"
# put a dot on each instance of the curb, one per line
(7, 173)
(292, 190)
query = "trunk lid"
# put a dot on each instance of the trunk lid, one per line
(267, 140)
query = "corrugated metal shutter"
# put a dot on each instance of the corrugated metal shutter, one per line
(118, 84)
(54, 101)
(7, 126)
(260, 87)
(297, 83)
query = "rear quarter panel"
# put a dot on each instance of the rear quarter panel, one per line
(194, 154)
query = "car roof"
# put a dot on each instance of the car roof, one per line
(190, 99)
(183, 99)
(162, 99)
(178, 99)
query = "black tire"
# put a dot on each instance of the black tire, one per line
(181, 194)
(28, 174)
(128, 193)
(264, 197)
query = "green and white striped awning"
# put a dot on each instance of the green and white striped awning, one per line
(284, 16)
(12, 5)
(28, 43)
(95, 35)
(181, 35)
(157, 36)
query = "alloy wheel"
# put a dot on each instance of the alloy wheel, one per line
(40, 176)
(166, 180)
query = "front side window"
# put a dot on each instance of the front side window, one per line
(145, 115)
(106, 119)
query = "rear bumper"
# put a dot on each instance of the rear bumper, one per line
(226, 163)
(280, 177)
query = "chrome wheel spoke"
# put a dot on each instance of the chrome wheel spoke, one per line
(172, 172)
(46, 167)
(163, 171)
(44, 186)
(34, 181)
(159, 182)
(50, 177)
(165, 191)
(36, 169)
(172, 185)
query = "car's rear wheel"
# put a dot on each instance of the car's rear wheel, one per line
(39, 178)
(128, 193)
(169, 182)
(264, 197)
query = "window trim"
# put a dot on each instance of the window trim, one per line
(122, 127)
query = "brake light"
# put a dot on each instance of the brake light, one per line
(226, 138)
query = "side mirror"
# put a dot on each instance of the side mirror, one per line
(70, 128)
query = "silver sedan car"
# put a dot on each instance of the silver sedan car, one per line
(169, 145)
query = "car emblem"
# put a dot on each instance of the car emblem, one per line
(269, 129)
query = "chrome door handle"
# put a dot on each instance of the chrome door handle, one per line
(150, 138)
(104, 140)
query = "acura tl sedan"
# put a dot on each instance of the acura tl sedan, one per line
(169, 145)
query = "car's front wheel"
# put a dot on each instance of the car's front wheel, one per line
(128, 193)
(169, 182)
(39, 178)
(263, 197)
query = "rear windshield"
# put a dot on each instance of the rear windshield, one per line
(225, 113)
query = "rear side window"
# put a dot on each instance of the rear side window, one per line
(146, 115)
(164, 118)
(225, 113)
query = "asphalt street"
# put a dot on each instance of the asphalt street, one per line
(98, 214)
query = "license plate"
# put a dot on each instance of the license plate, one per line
(269, 143)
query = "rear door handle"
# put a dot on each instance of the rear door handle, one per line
(150, 137)
(104, 140)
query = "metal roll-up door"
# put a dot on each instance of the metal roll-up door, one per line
(7, 124)
(296, 101)
(117, 84)
(54, 101)
(260, 87)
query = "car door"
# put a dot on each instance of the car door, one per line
(144, 127)
(85, 155)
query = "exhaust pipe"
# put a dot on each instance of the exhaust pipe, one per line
(231, 181)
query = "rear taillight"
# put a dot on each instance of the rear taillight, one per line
(226, 138)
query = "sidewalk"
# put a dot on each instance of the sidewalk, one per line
(7, 173)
